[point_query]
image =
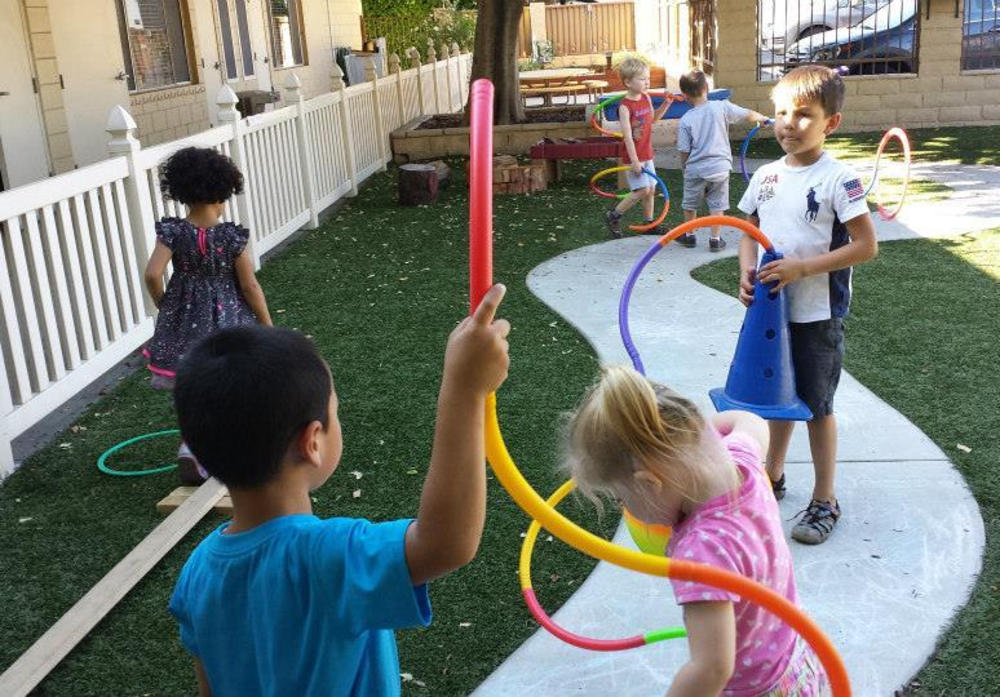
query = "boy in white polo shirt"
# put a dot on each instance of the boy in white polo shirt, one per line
(813, 209)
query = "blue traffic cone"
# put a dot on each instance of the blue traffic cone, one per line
(761, 378)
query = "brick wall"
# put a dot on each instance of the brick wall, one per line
(169, 114)
(941, 94)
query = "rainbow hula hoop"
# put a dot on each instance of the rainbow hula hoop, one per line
(543, 619)
(652, 173)
(595, 117)
(746, 146)
(633, 276)
(480, 280)
(900, 135)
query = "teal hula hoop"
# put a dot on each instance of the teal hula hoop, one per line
(124, 444)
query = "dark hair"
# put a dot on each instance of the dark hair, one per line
(813, 83)
(243, 395)
(200, 175)
(693, 83)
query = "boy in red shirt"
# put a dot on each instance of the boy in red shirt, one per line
(636, 115)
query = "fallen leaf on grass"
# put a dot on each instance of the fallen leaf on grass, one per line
(356, 493)
(963, 448)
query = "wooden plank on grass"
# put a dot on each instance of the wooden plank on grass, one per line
(35, 663)
(175, 498)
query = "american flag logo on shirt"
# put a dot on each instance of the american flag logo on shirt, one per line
(854, 189)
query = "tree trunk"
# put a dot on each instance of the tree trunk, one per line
(494, 56)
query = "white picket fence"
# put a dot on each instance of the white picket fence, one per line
(74, 246)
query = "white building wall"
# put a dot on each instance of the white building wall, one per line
(88, 54)
(88, 48)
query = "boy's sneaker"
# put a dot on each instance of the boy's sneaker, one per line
(687, 240)
(716, 244)
(778, 487)
(817, 523)
(614, 220)
(655, 230)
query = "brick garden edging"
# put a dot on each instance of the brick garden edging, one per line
(410, 143)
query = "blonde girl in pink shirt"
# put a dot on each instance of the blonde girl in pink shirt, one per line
(651, 449)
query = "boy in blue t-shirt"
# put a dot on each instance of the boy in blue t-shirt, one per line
(278, 601)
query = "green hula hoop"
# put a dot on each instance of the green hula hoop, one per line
(124, 444)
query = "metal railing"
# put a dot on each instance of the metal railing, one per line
(866, 37)
(981, 35)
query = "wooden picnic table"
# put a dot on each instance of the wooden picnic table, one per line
(545, 83)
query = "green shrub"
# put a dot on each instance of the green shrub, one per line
(441, 25)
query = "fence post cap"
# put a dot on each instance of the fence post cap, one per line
(455, 48)
(337, 77)
(292, 82)
(120, 121)
(226, 97)
(122, 127)
(393, 62)
(227, 100)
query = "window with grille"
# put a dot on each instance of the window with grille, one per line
(981, 35)
(287, 42)
(864, 37)
(154, 43)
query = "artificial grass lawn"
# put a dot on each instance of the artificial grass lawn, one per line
(378, 287)
(969, 145)
(922, 334)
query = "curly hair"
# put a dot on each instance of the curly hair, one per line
(200, 175)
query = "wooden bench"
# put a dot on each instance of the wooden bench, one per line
(547, 92)
(595, 88)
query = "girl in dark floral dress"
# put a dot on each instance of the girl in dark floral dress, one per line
(213, 286)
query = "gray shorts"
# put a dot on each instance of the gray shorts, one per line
(817, 354)
(641, 180)
(714, 193)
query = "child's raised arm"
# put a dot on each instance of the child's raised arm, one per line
(756, 117)
(744, 422)
(452, 511)
(660, 110)
(711, 630)
(155, 268)
(251, 289)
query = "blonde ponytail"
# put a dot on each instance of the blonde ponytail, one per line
(625, 423)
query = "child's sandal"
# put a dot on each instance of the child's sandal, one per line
(778, 487)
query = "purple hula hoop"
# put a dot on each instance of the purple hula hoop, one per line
(626, 335)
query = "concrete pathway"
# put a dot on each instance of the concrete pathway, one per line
(905, 554)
